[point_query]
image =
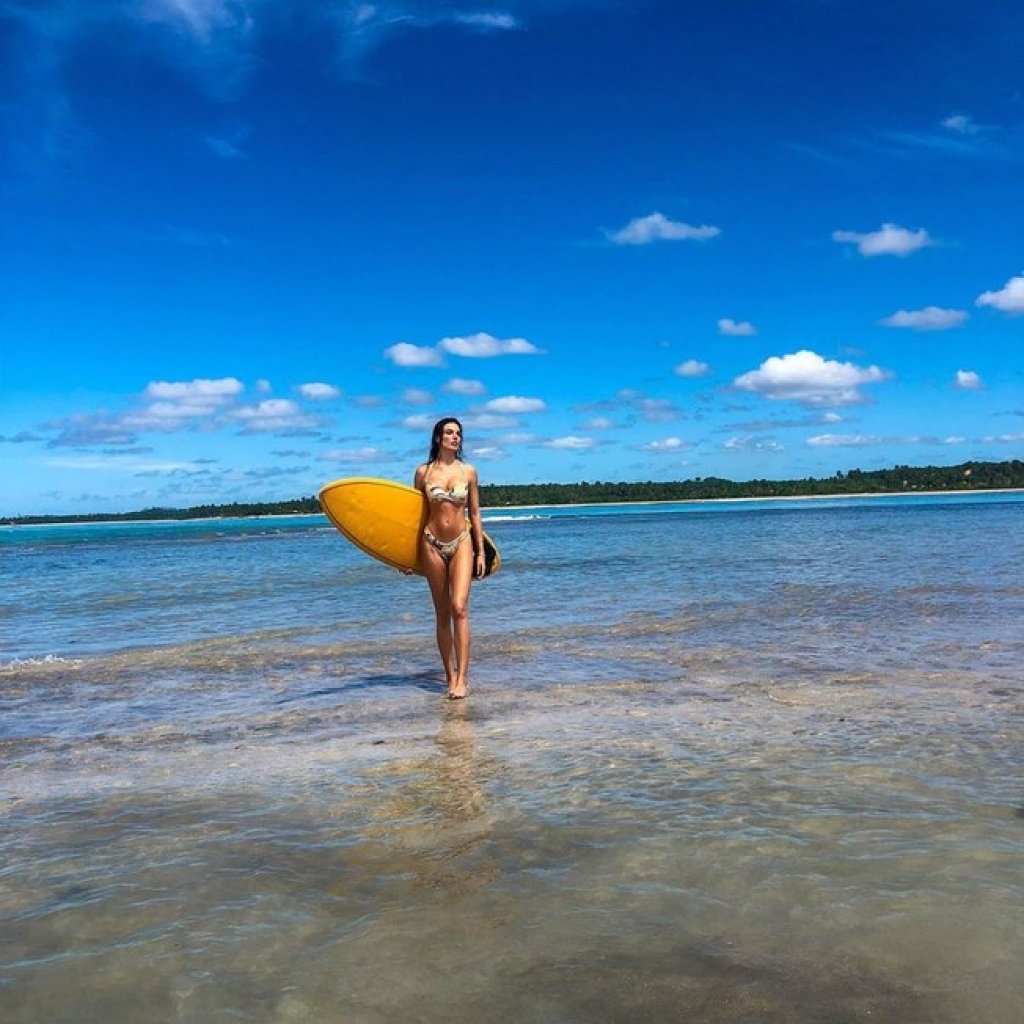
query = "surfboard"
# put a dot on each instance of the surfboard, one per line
(385, 519)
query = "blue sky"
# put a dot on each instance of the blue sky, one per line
(250, 246)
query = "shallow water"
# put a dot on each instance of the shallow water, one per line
(755, 763)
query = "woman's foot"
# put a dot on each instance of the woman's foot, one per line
(459, 691)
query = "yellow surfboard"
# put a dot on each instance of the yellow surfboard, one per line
(385, 519)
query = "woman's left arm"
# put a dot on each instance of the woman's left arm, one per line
(476, 525)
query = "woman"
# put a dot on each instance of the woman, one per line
(451, 550)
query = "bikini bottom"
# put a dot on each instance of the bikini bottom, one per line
(445, 548)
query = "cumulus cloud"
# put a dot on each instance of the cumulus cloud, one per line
(752, 444)
(693, 368)
(404, 354)
(844, 440)
(570, 443)
(488, 421)
(809, 379)
(736, 329)
(665, 447)
(419, 421)
(1009, 298)
(200, 390)
(656, 227)
(968, 380)
(931, 318)
(417, 396)
(273, 415)
(486, 346)
(319, 392)
(599, 423)
(889, 240)
(355, 456)
(514, 405)
(487, 453)
(462, 386)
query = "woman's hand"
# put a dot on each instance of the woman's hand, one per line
(481, 566)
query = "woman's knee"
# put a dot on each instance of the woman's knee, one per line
(460, 609)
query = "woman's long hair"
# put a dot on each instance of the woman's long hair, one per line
(435, 438)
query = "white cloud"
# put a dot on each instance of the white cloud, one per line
(404, 354)
(570, 443)
(931, 318)
(954, 440)
(486, 20)
(355, 456)
(129, 464)
(968, 380)
(693, 368)
(419, 421)
(199, 390)
(515, 405)
(462, 386)
(844, 441)
(417, 396)
(751, 444)
(486, 346)
(736, 329)
(961, 124)
(1004, 438)
(169, 416)
(271, 415)
(319, 392)
(488, 453)
(656, 227)
(807, 378)
(178, 404)
(889, 240)
(665, 447)
(1009, 298)
(488, 421)
(599, 423)
(263, 386)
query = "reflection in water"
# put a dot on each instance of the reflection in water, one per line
(436, 818)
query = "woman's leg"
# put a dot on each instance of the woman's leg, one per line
(460, 576)
(436, 571)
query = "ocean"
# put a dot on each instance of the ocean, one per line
(727, 761)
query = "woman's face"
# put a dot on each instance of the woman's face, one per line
(451, 437)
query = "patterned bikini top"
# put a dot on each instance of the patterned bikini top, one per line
(458, 495)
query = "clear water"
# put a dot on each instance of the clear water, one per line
(722, 762)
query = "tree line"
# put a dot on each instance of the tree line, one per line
(968, 476)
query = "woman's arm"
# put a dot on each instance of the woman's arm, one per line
(476, 525)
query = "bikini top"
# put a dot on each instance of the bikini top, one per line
(457, 495)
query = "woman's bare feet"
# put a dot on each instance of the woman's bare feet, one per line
(459, 691)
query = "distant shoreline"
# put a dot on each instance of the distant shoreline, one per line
(125, 521)
(766, 497)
